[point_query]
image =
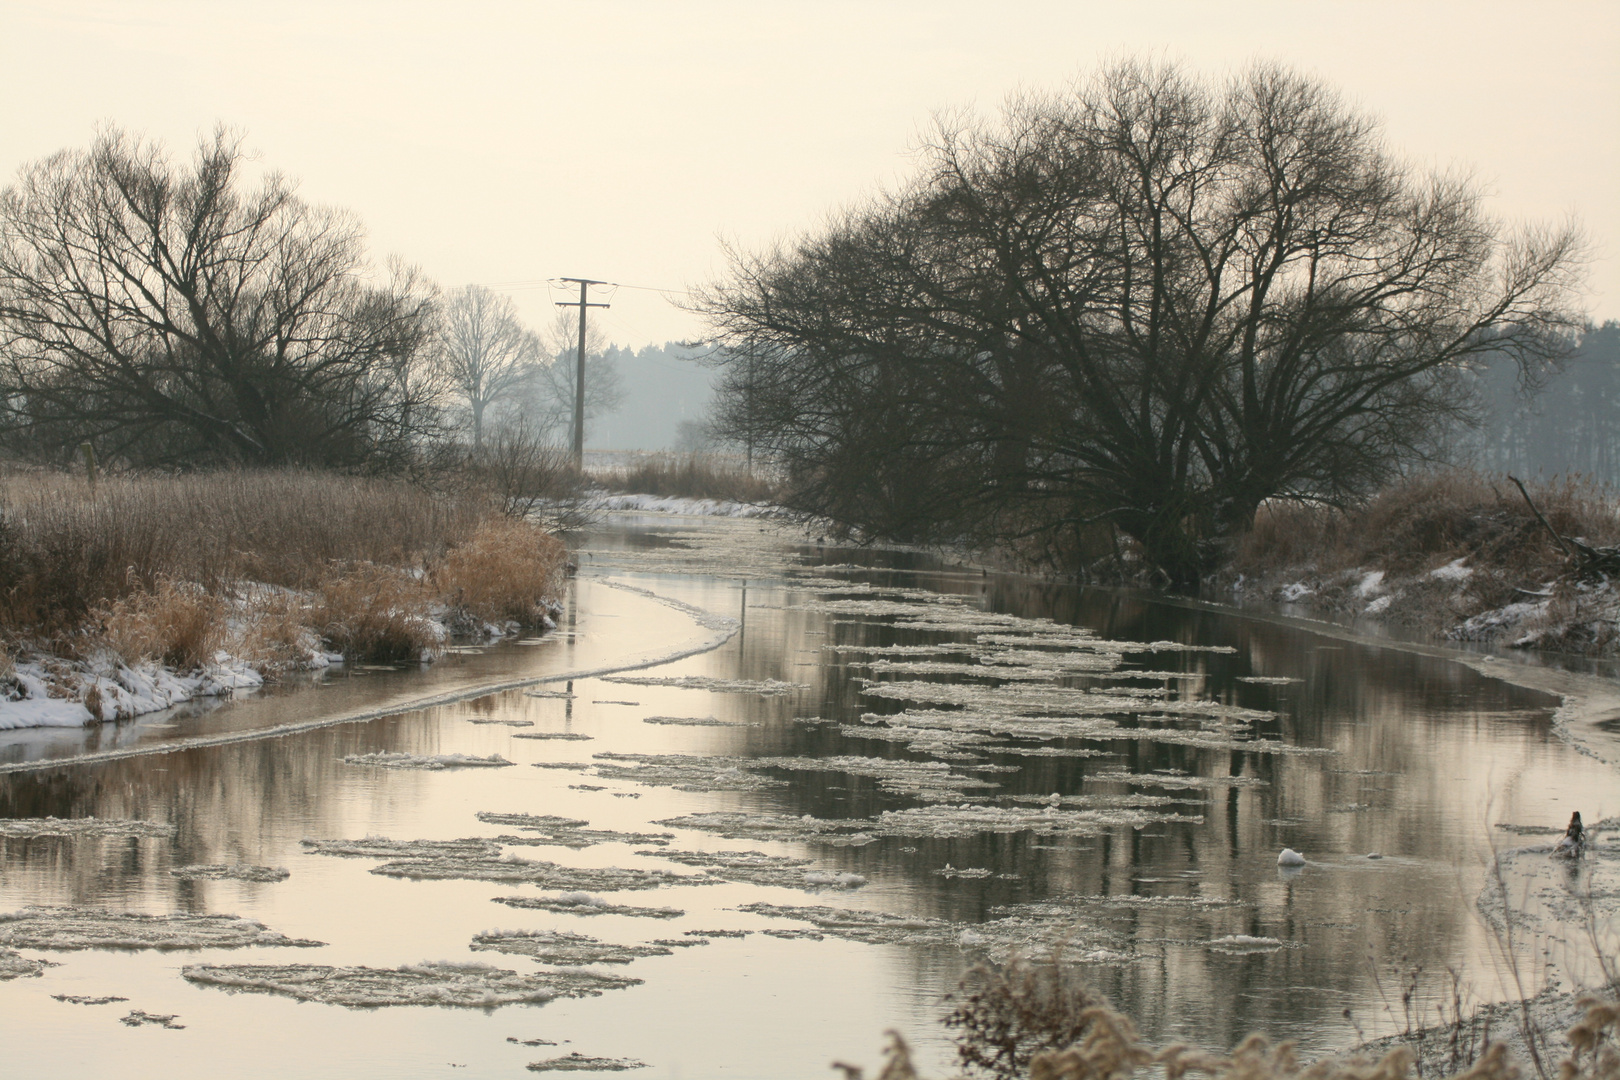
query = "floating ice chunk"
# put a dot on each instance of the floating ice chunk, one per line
(380, 847)
(684, 772)
(580, 903)
(577, 1062)
(1269, 680)
(67, 928)
(697, 721)
(572, 736)
(1290, 857)
(547, 875)
(1244, 944)
(765, 687)
(562, 948)
(14, 965)
(949, 871)
(88, 826)
(741, 825)
(477, 986)
(758, 868)
(137, 1018)
(389, 760)
(566, 832)
(230, 871)
(496, 720)
(77, 999)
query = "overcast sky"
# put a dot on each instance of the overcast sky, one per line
(491, 142)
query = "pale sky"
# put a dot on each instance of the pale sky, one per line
(516, 142)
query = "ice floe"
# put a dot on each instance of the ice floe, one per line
(14, 965)
(82, 999)
(70, 928)
(566, 832)
(139, 1018)
(230, 872)
(1244, 945)
(697, 721)
(389, 760)
(87, 826)
(561, 947)
(684, 772)
(577, 1062)
(568, 736)
(547, 875)
(763, 687)
(475, 986)
(758, 868)
(741, 825)
(581, 903)
(380, 847)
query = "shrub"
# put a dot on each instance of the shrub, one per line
(507, 570)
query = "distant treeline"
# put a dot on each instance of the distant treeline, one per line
(1571, 424)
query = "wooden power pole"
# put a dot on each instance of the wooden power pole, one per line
(579, 369)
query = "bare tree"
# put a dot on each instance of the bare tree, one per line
(548, 400)
(1154, 302)
(175, 317)
(485, 352)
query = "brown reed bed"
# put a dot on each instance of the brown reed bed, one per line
(156, 567)
(689, 476)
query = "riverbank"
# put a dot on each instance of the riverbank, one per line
(133, 595)
(1459, 555)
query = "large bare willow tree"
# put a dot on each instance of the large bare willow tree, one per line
(1153, 302)
(176, 316)
(485, 351)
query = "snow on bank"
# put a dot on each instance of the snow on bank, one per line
(48, 692)
(661, 504)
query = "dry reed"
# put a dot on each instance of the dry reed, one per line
(265, 565)
(689, 476)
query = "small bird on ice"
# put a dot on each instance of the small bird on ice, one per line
(1290, 857)
(1574, 841)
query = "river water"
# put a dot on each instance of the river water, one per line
(961, 766)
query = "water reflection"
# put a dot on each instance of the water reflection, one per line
(1419, 758)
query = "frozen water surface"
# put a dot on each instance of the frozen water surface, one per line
(882, 768)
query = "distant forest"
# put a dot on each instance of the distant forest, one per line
(666, 400)
(1572, 425)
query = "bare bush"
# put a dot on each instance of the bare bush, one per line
(1005, 1014)
(375, 613)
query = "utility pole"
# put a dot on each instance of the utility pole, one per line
(579, 370)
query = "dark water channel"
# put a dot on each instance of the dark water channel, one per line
(968, 753)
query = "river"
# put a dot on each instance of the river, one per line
(768, 798)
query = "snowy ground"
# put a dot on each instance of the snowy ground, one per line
(660, 504)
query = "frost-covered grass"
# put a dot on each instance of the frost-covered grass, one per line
(1455, 553)
(138, 593)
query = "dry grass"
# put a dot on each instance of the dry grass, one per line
(1429, 521)
(178, 623)
(261, 564)
(1416, 527)
(689, 476)
(505, 571)
(375, 613)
